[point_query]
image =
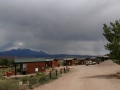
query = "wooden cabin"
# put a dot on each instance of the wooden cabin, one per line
(60, 62)
(51, 63)
(81, 61)
(30, 65)
(70, 61)
(94, 59)
(55, 63)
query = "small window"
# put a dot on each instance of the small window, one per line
(42, 67)
(36, 69)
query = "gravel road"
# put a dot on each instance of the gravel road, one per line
(81, 77)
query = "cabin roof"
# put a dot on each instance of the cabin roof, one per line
(49, 59)
(24, 60)
(69, 58)
(81, 58)
(93, 57)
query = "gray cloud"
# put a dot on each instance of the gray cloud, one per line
(56, 26)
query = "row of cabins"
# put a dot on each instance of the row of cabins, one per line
(32, 65)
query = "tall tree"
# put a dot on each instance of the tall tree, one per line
(4, 62)
(11, 63)
(112, 34)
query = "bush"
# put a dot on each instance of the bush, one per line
(32, 81)
(44, 79)
(1, 75)
(25, 79)
(3, 78)
(7, 85)
(16, 78)
(38, 74)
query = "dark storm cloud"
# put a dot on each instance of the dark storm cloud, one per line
(56, 26)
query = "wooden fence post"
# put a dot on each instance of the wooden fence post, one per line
(64, 69)
(56, 73)
(50, 74)
(61, 71)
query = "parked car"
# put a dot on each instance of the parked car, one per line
(89, 62)
(94, 63)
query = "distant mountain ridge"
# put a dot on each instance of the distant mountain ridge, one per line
(36, 54)
(22, 52)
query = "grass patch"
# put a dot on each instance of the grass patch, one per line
(24, 79)
(44, 79)
(28, 82)
(7, 85)
(32, 81)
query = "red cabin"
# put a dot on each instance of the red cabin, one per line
(70, 61)
(30, 65)
(81, 61)
(51, 63)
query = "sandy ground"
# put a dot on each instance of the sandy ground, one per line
(81, 77)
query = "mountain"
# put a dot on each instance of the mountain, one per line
(22, 53)
(28, 53)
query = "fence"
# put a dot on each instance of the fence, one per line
(55, 73)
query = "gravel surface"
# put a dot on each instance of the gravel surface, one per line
(92, 77)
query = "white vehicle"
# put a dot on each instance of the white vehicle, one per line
(89, 62)
(94, 63)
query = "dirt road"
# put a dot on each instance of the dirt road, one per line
(81, 77)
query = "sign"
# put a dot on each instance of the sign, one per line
(36, 69)
(20, 83)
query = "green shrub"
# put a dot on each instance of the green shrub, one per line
(25, 79)
(43, 79)
(31, 76)
(38, 74)
(16, 78)
(32, 81)
(7, 85)
(3, 78)
(1, 75)
(43, 74)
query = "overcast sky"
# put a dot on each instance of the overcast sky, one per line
(56, 26)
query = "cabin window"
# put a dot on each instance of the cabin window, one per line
(42, 67)
(36, 69)
(24, 67)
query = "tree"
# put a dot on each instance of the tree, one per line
(112, 34)
(11, 63)
(6, 62)
(3, 62)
